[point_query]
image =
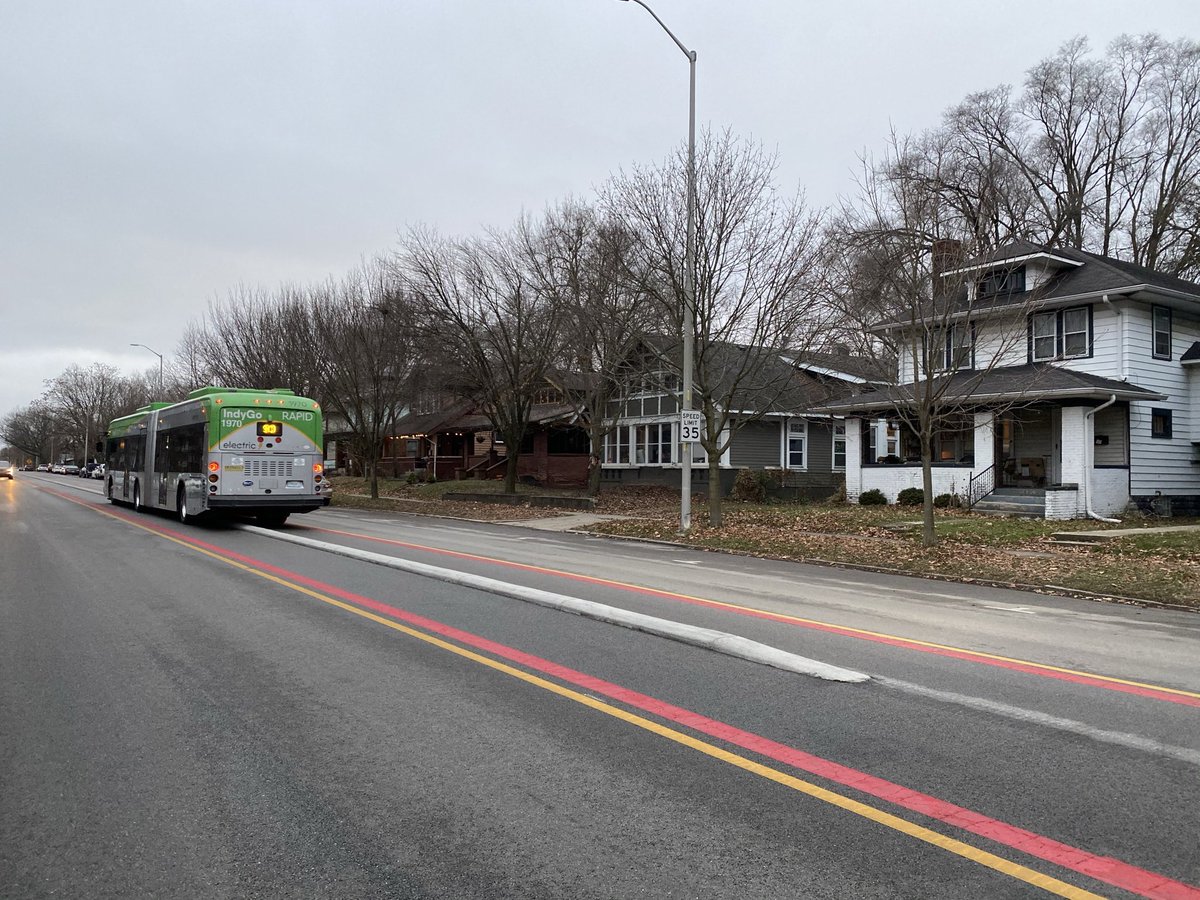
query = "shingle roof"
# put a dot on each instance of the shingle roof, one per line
(1096, 275)
(1034, 381)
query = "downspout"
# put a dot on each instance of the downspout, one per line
(1120, 337)
(1089, 456)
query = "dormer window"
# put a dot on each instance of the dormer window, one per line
(1002, 283)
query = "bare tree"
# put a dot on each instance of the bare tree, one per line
(489, 320)
(898, 253)
(84, 400)
(366, 330)
(755, 252)
(1099, 154)
(581, 263)
(257, 338)
(31, 430)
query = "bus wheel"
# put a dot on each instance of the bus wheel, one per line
(181, 506)
(271, 519)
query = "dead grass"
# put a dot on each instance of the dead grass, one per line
(1157, 567)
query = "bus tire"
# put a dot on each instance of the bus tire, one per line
(271, 519)
(181, 508)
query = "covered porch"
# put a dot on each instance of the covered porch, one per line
(1058, 448)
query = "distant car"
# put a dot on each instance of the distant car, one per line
(57, 469)
(70, 469)
(7, 469)
(43, 468)
(99, 471)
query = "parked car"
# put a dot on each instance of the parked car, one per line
(7, 469)
(70, 469)
(43, 468)
(99, 471)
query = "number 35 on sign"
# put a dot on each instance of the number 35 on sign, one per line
(691, 421)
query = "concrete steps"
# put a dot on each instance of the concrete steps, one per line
(1024, 502)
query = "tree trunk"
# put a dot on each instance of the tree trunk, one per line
(510, 472)
(373, 475)
(928, 534)
(714, 490)
(594, 472)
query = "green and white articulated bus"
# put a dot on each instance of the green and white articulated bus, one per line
(221, 450)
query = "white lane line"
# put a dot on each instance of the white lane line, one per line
(719, 641)
(1004, 608)
(1121, 739)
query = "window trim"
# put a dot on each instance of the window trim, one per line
(1164, 414)
(839, 437)
(1154, 331)
(802, 434)
(1058, 316)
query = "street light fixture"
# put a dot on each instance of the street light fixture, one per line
(689, 280)
(160, 366)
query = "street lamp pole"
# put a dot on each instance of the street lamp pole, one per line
(160, 366)
(689, 278)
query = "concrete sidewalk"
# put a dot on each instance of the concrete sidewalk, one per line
(564, 523)
(1113, 534)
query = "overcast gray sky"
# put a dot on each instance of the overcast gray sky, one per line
(155, 154)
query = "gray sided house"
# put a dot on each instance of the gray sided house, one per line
(775, 422)
(1095, 408)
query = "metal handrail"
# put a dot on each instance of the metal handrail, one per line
(981, 485)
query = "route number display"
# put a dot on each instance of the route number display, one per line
(691, 424)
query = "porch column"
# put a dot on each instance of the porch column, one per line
(985, 441)
(1076, 435)
(853, 458)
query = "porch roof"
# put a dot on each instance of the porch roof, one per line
(469, 418)
(1028, 383)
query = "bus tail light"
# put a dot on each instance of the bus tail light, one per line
(214, 466)
(318, 468)
(213, 478)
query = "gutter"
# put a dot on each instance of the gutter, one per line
(1090, 455)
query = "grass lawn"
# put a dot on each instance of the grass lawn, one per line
(971, 547)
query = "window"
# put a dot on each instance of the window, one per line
(1160, 423)
(797, 444)
(1045, 336)
(1002, 283)
(1162, 332)
(652, 443)
(567, 440)
(1075, 332)
(1063, 334)
(616, 447)
(957, 350)
(839, 448)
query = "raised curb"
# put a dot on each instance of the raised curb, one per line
(718, 641)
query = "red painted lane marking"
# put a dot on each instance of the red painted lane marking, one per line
(1027, 668)
(1102, 868)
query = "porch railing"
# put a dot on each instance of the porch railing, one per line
(981, 485)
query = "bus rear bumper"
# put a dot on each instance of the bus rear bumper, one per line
(259, 503)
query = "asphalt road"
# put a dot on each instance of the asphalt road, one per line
(214, 712)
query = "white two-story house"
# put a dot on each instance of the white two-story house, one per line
(1095, 406)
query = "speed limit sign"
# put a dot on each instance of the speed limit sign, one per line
(691, 422)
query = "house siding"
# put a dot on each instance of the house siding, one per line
(757, 445)
(1161, 464)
